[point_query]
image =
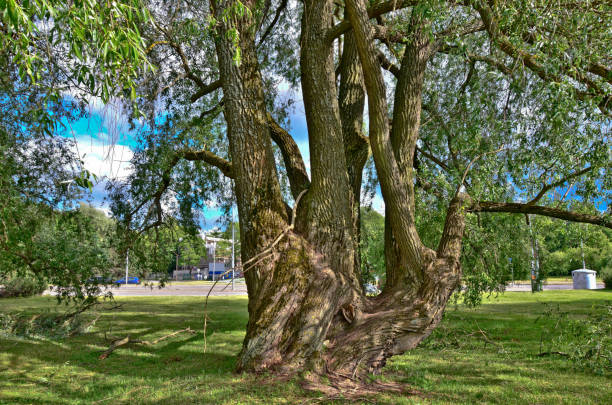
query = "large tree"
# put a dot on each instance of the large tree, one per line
(515, 99)
(497, 106)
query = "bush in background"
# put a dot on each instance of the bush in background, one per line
(23, 287)
(606, 276)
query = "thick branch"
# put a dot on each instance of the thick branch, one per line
(373, 12)
(386, 64)
(601, 71)
(518, 208)
(388, 34)
(210, 158)
(296, 170)
(490, 61)
(206, 89)
(396, 195)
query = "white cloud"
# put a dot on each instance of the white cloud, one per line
(103, 158)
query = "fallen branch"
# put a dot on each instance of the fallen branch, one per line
(551, 353)
(113, 346)
(128, 340)
(84, 328)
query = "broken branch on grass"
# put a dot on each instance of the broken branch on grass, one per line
(551, 353)
(128, 340)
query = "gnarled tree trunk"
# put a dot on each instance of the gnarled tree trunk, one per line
(306, 304)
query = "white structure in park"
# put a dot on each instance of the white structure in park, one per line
(584, 279)
(217, 269)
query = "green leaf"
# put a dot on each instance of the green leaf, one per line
(77, 50)
(12, 12)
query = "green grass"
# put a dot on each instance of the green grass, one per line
(451, 367)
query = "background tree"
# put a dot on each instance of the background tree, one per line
(47, 73)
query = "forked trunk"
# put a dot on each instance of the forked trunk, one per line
(306, 304)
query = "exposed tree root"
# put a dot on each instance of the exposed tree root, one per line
(336, 386)
(118, 342)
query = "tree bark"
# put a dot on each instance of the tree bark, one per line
(356, 149)
(306, 305)
(295, 290)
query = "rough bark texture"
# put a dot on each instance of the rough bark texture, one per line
(306, 306)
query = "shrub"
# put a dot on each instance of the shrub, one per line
(23, 287)
(606, 276)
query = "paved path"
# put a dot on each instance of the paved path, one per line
(221, 289)
(527, 287)
(224, 288)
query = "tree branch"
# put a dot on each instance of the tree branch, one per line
(388, 34)
(518, 208)
(386, 64)
(433, 159)
(398, 198)
(469, 166)
(547, 187)
(279, 11)
(373, 12)
(127, 340)
(294, 163)
(464, 28)
(206, 89)
(191, 155)
(210, 158)
(529, 60)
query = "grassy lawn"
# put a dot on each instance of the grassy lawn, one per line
(452, 367)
